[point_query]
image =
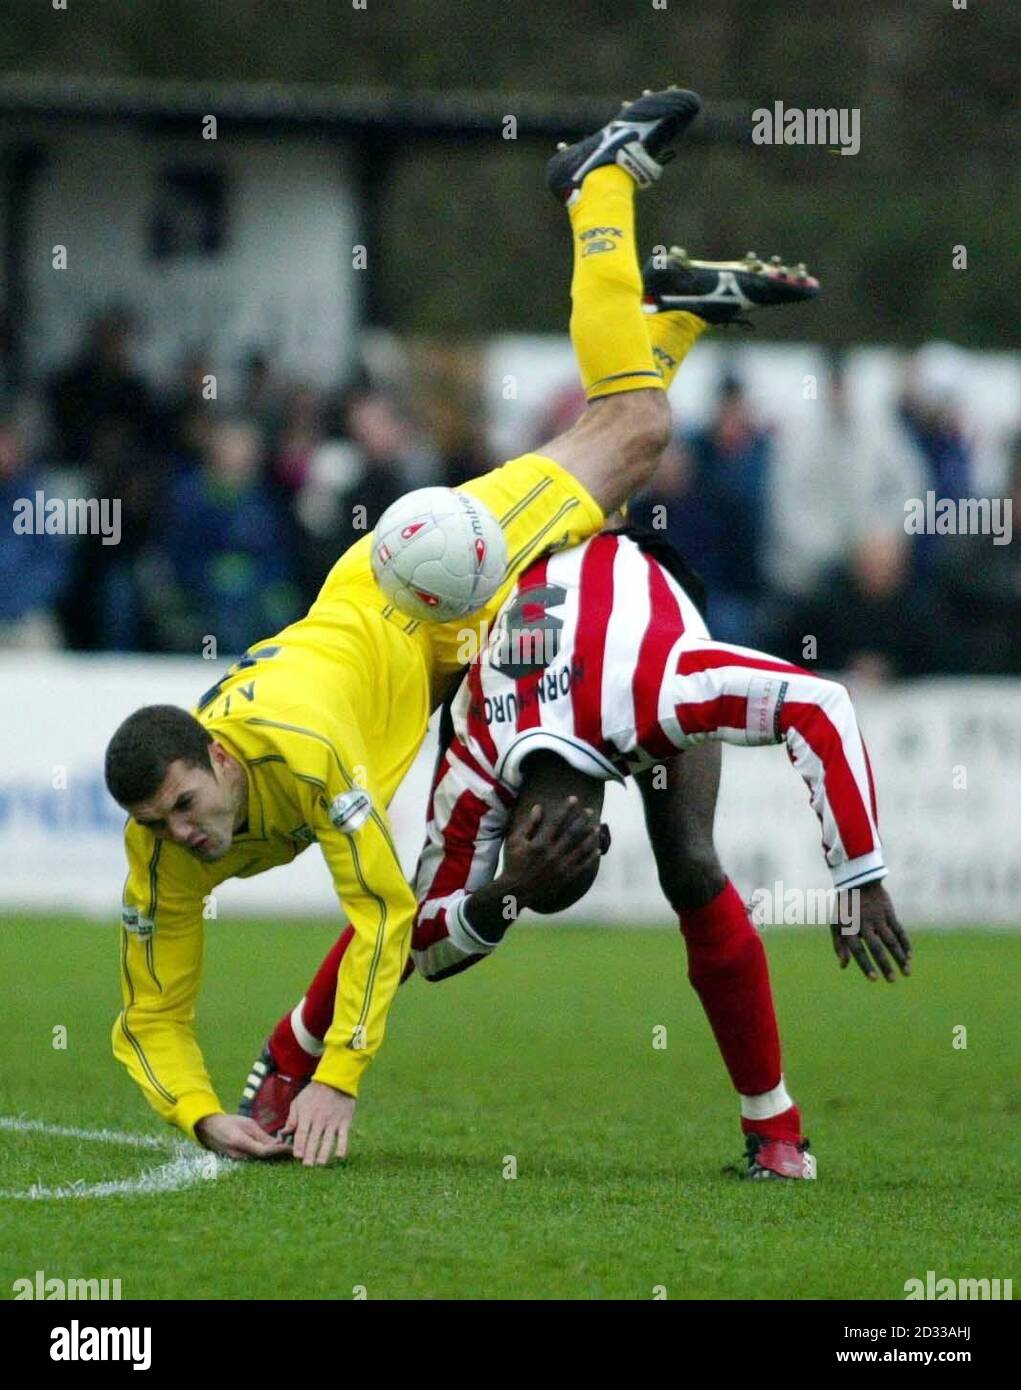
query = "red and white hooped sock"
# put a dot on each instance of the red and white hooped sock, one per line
(773, 1115)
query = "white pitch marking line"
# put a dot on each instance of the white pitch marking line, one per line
(97, 1136)
(185, 1169)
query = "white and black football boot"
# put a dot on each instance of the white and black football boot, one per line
(722, 291)
(636, 139)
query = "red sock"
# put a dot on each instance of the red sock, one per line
(316, 1015)
(727, 967)
(786, 1125)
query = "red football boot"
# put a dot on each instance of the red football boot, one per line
(776, 1159)
(268, 1093)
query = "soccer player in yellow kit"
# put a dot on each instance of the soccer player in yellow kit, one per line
(309, 734)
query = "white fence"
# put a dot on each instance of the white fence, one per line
(946, 756)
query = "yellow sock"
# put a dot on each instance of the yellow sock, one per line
(672, 336)
(608, 329)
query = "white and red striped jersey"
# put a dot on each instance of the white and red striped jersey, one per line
(600, 656)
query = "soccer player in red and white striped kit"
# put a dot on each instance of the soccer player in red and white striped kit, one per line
(600, 666)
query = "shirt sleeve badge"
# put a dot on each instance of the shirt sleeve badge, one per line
(349, 811)
(133, 921)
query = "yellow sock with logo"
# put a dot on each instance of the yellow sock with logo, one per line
(608, 329)
(672, 335)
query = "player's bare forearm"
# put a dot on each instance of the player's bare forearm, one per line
(490, 910)
(616, 446)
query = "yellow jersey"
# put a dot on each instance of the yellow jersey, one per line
(325, 718)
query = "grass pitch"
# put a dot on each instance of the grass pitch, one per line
(544, 1055)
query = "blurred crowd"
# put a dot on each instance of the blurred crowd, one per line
(804, 544)
(232, 511)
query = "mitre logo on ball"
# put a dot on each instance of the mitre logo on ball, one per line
(438, 554)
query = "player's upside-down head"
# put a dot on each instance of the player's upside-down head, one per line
(166, 771)
(548, 781)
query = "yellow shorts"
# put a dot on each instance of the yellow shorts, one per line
(538, 504)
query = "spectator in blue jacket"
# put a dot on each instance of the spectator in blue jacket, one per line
(711, 501)
(228, 547)
(33, 568)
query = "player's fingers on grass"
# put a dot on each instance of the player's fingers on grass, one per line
(258, 1143)
(327, 1145)
(254, 1149)
(275, 1151)
(310, 1149)
(266, 1146)
(301, 1134)
(311, 1141)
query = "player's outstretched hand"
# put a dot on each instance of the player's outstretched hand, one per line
(866, 922)
(547, 849)
(238, 1136)
(319, 1118)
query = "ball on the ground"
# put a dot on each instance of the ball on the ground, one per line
(438, 554)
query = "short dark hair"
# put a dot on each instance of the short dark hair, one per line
(138, 755)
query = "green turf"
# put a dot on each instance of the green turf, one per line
(545, 1054)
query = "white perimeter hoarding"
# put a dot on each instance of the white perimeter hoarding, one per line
(946, 756)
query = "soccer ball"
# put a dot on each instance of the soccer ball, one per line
(438, 554)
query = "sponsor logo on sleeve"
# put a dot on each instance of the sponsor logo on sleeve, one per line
(132, 920)
(766, 696)
(349, 811)
(596, 248)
